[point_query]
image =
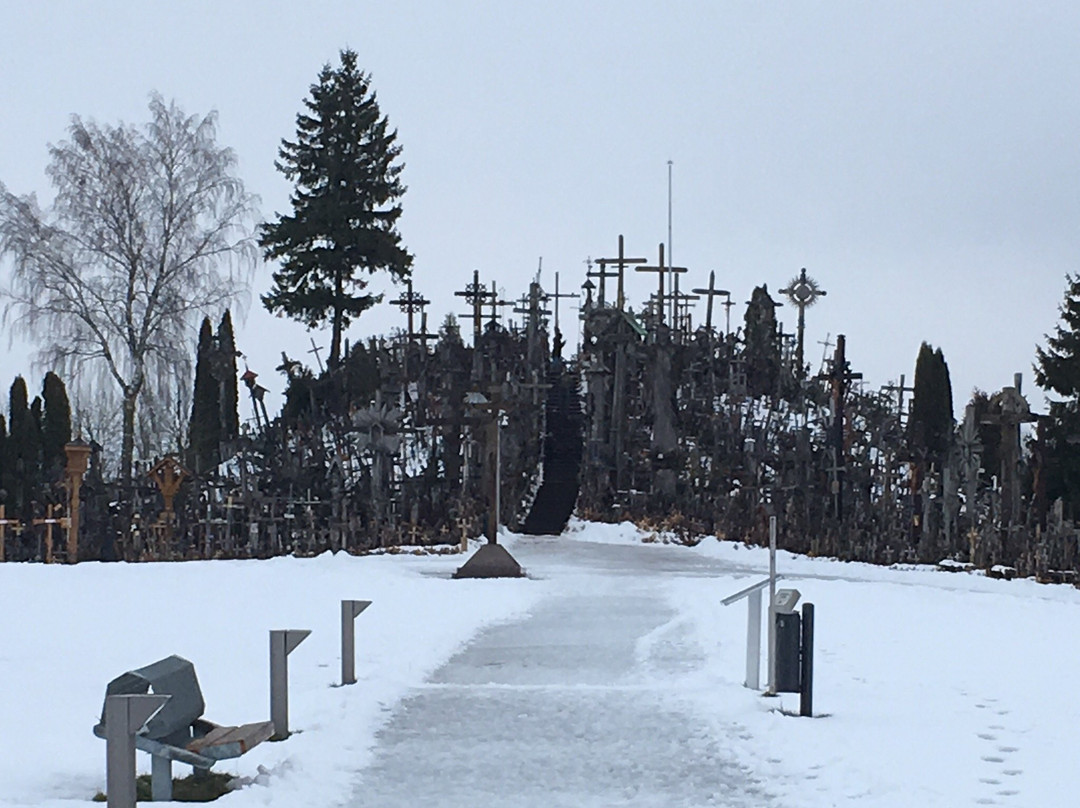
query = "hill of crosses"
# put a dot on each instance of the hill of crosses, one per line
(676, 416)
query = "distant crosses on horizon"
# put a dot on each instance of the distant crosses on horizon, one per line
(496, 304)
(803, 291)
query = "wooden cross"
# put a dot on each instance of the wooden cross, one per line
(496, 304)
(424, 337)
(661, 270)
(315, 350)
(899, 389)
(557, 296)
(168, 475)
(475, 294)
(840, 377)
(49, 521)
(710, 293)
(602, 274)
(14, 524)
(681, 302)
(621, 262)
(410, 302)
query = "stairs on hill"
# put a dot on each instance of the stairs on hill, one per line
(563, 448)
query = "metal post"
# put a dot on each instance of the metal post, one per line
(160, 778)
(772, 606)
(124, 716)
(806, 692)
(753, 640)
(498, 471)
(350, 610)
(282, 643)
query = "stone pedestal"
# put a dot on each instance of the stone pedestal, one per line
(490, 561)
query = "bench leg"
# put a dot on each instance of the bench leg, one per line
(160, 779)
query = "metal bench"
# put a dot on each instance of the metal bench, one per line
(178, 731)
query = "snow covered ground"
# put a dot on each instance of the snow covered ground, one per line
(612, 676)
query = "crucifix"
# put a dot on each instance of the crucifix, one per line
(475, 294)
(49, 521)
(410, 302)
(5, 523)
(802, 291)
(709, 294)
(840, 377)
(660, 269)
(620, 262)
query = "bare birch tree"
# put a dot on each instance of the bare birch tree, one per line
(150, 230)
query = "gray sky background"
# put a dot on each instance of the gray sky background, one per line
(920, 159)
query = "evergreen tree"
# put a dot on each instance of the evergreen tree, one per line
(930, 428)
(204, 429)
(762, 341)
(55, 427)
(5, 481)
(229, 385)
(1057, 370)
(345, 165)
(24, 456)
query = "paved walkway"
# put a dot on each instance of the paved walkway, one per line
(563, 708)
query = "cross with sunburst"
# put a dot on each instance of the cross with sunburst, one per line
(803, 291)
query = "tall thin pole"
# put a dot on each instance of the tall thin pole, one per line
(670, 250)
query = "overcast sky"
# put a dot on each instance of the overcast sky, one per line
(920, 159)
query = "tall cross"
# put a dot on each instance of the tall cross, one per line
(710, 293)
(496, 304)
(475, 294)
(660, 269)
(840, 377)
(559, 295)
(803, 291)
(620, 262)
(410, 302)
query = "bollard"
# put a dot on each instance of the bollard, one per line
(350, 610)
(125, 716)
(806, 691)
(772, 608)
(753, 640)
(282, 643)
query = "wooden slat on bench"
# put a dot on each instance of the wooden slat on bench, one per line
(245, 737)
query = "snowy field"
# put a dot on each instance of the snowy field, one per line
(932, 689)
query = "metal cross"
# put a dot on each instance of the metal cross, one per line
(410, 302)
(475, 294)
(315, 350)
(803, 292)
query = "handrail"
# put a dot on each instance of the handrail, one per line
(742, 593)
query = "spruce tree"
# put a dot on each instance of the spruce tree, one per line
(204, 429)
(24, 442)
(344, 163)
(1057, 370)
(228, 385)
(55, 427)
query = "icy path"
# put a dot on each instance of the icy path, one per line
(570, 706)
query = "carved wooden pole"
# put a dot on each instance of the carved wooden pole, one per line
(78, 457)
